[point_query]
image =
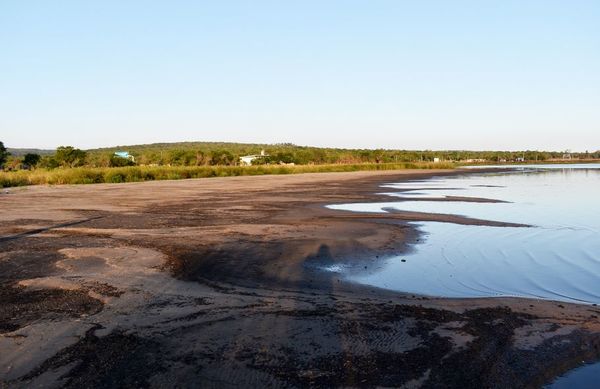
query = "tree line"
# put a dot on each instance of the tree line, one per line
(228, 154)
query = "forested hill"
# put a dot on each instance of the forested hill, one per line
(22, 152)
(217, 153)
(225, 153)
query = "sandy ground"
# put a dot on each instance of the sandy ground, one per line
(217, 283)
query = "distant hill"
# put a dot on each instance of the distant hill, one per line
(186, 146)
(22, 152)
(229, 153)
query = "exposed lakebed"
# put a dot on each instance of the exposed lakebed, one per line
(557, 257)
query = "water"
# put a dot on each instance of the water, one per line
(557, 258)
(585, 377)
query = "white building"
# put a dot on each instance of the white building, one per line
(246, 160)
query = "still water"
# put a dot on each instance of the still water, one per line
(584, 377)
(557, 257)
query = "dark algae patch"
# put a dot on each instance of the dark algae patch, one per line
(113, 361)
(20, 307)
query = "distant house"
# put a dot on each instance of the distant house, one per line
(125, 155)
(436, 160)
(247, 160)
(472, 160)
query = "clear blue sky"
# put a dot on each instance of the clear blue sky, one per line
(396, 74)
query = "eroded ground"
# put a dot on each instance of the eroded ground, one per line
(216, 283)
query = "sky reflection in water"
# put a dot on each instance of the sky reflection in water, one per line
(558, 258)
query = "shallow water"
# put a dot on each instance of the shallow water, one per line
(585, 377)
(557, 258)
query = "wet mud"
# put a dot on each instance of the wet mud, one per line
(217, 283)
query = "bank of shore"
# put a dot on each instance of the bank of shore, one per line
(217, 282)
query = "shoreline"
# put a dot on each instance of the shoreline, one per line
(238, 299)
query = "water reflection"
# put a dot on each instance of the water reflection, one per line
(558, 258)
(585, 377)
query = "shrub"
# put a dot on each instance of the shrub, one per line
(116, 161)
(31, 160)
(69, 156)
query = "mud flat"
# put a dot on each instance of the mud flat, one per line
(218, 283)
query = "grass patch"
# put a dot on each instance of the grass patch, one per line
(85, 175)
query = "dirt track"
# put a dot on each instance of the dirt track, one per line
(216, 283)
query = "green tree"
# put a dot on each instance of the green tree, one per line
(180, 157)
(3, 155)
(48, 162)
(285, 157)
(116, 161)
(222, 157)
(69, 156)
(31, 160)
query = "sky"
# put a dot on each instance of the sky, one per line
(495, 75)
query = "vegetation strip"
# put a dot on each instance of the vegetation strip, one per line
(85, 175)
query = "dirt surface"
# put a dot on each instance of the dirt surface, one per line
(219, 283)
